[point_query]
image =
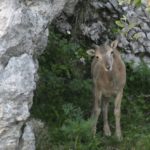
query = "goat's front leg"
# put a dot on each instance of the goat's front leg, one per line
(96, 109)
(117, 113)
(105, 106)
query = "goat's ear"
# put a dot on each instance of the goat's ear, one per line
(114, 44)
(91, 52)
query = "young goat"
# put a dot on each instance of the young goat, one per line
(109, 78)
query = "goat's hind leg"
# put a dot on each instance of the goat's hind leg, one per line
(96, 110)
(117, 113)
(105, 106)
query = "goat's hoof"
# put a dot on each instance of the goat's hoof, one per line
(107, 131)
(119, 137)
(94, 132)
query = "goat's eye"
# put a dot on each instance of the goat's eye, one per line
(96, 57)
(112, 52)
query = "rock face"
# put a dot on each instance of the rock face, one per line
(23, 36)
(135, 34)
(100, 24)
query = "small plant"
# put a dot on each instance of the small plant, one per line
(75, 131)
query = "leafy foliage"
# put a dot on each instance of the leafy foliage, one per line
(63, 79)
(63, 101)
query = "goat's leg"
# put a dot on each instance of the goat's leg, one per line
(96, 109)
(117, 114)
(106, 127)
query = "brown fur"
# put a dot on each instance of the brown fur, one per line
(107, 83)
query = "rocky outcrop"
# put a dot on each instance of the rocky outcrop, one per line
(135, 34)
(100, 24)
(23, 36)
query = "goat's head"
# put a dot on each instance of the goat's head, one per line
(104, 54)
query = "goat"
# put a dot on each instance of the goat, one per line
(109, 78)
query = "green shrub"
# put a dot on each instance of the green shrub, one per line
(63, 101)
(63, 78)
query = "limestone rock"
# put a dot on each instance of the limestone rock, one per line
(70, 6)
(16, 89)
(28, 139)
(94, 30)
(99, 25)
(23, 36)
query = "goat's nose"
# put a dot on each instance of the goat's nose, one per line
(108, 67)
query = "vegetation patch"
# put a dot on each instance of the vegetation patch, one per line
(63, 101)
